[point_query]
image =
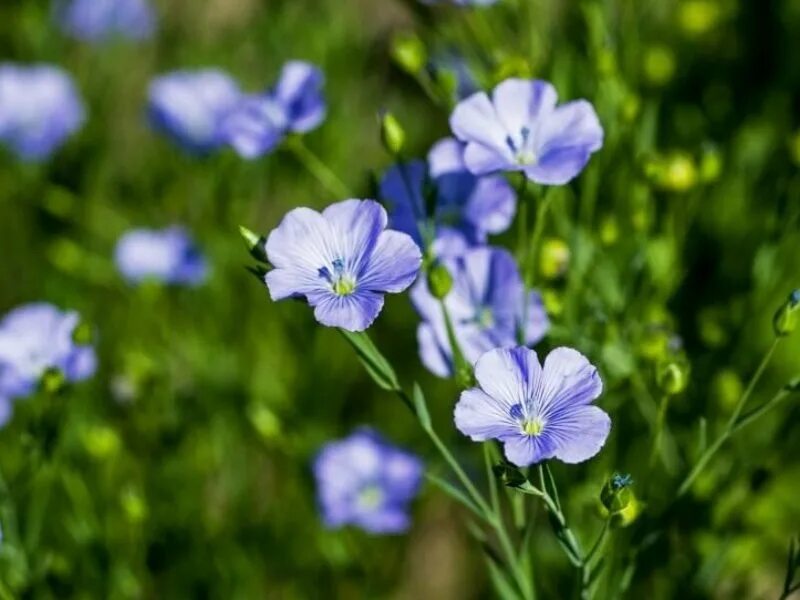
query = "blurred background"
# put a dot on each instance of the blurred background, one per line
(181, 469)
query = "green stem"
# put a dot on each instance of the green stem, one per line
(661, 418)
(522, 220)
(538, 229)
(731, 426)
(314, 165)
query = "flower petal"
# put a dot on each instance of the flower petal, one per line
(474, 120)
(537, 324)
(568, 379)
(492, 205)
(401, 190)
(394, 263)
(433, 355)
(578, 433)
(558, 166)
(446, 156)
(483, 417)
(353, 312)
(299, 90)
(481, 159)
(572, 125)
(521, 103)
(525, 450)
(356, 225)
(507, 374)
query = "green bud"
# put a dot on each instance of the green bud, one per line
(101, 441)
(609, 231)
(264, 420)
(255, 244)
(710, 165)
(440, 282)
(133, 504)
(392, 134)
(554, 258)
(659, 65)
(82, 335)
(52, 380)
(678, 173)
(616, 494)
(785, 320)
(509, 475)
(553, 302)
(697, 17)
(727, 388)
(672, 377)
(409, 52)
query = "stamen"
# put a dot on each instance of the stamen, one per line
(533, 427)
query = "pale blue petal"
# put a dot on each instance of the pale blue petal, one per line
(352, 312)
(578, 433)
(524, 103)
(393, 265)
(484, 417)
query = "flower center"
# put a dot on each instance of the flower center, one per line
(524, 154)
(342, 283)
(532, 426)
(370, 497)
(485, 317)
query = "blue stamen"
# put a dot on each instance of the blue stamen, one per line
(619, 481)
(511, 143)
(525, 133)
(325, 274)
(338, 266)
(516, 412)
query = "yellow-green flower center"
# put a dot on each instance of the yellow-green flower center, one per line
(344, 286)
(533, 426)
(370, 497)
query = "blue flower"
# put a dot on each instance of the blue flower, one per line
(295, 105)
(486, 306)
(363, 481)
(537, 412)
(168, 256)
(39, 109)
(191, 107)
(342, 261)
(35, 338)
(472, 206)
(98, 20)
(521, 129)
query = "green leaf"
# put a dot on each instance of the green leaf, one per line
(421, 407)
(374, 362)
(454, 493)
(500, 581)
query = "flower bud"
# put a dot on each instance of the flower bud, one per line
(616, 494)
(409, 52)
(52, 380)
(553, 302)
(101, 441)
(255, 244)
(133, 504)
(672, 377)
(726, 389)
(392, 134)
(440, 282)
(710, 165)
(659, 65)
(679, 173)
(785, 320)
(609, 231)
(554, 258)
(82, 335)
(697, 17)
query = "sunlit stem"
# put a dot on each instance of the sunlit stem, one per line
(732, 425)
(316, 167)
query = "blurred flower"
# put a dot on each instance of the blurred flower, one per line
(190, 107)
(39, 109)
(363, 481)
(36, 339)
(486, 306)
(521, 129)
(259, 122)
(457, 69)
(97, 20)
(537, 412)
(167, 255)
(474, 207)
(342, 261)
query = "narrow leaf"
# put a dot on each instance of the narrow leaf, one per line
(454, 493)
(374, 362)
(421, 407)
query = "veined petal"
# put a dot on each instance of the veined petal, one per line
(578, 433)
(558, 166)
(483, 417)
(572, 125)
(481, 158)
(521, 103)
(446, 156)
(507, 374)
(394, 263)
(352, 312)
(356, 224)
(568, 379)
(537, 324)
(525, 450)
(474, 120)
(303, 239)
(436, 358)
(492, 205)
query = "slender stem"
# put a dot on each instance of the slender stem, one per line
(731, 426)
(522, 219)
(661, 418)
(492, 481)
(329, 180)
(461, 366)
(538, 230)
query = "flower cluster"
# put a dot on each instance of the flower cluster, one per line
(35, 339)
(205, 109)
(364, 481)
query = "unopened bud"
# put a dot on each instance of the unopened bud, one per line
(785, 320)
(409, 52)
(672, 377)
(52, 380)
(609, 231)
(440, 282)
(659, 65)
(710, 165)
(392, 134)
(255, 244)
(554, 258)
(101, 441)
(616, 493)
(82, 335)
(679, 173)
